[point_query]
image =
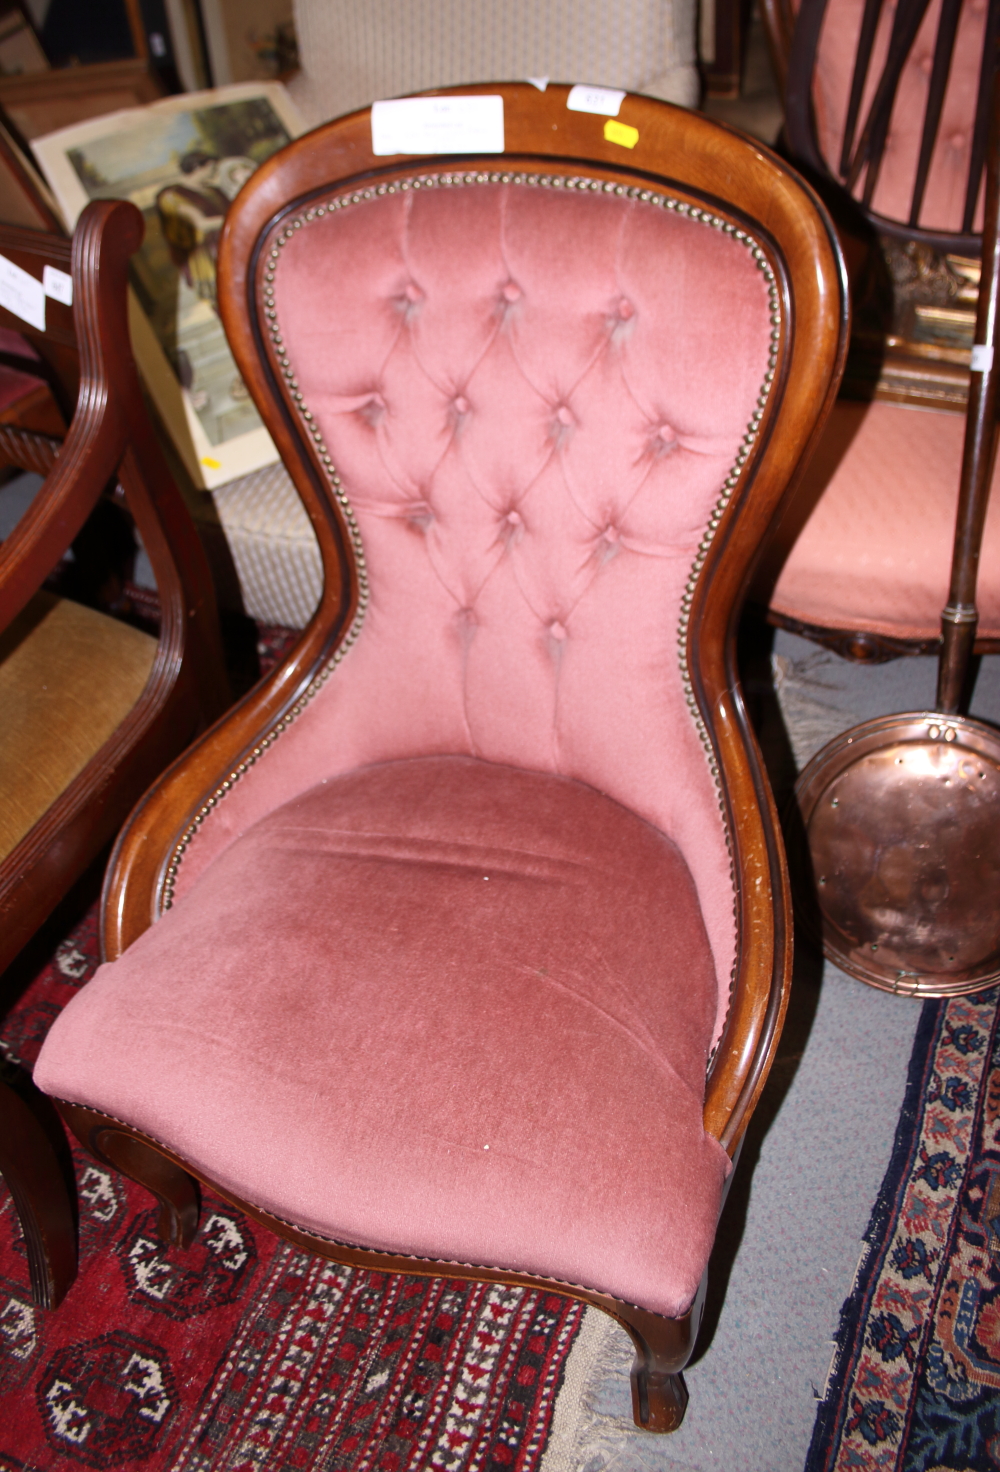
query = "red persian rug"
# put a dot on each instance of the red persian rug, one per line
(915, 1385)
(245, 1353)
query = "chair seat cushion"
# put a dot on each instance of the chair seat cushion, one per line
(438, 1007)
(875, 552)
(68, 678)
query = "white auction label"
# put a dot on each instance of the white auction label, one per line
(438, 125)
(22, 294)
(982, 357)
(603, 100)
(58, 285)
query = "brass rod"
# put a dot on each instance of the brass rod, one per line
(959, 617)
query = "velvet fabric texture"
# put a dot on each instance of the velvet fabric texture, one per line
(439, 1007)
(875, 552)
(425, 985)
(533, 397)
(944, 199)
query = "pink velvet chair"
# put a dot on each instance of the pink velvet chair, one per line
(462, 945)
(889, 104)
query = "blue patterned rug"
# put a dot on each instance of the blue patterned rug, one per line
(915, 1382)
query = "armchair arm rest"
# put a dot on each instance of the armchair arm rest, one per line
(107, 236)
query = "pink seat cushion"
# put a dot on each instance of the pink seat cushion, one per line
(437, 1007)
(875, 553)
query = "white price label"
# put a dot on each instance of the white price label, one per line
(982, 357)
(58, 285)
(438, 125)
(22, 294)
(605, 101)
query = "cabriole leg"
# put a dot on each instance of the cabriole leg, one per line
(111, 1142)
(662, 1348)
(33, 1173)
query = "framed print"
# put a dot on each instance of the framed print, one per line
(181, 161)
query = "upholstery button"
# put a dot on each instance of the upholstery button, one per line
(957, 140)
(461, 404)
(611, 534)
(666, 434)
(563, 415)
(625, 309)
(557, 630)
(514, 518)
(412, 292)
(511, 292)
(925, 63)
(372, 409)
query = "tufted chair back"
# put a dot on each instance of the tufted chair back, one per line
(533, 395)
(523, 403)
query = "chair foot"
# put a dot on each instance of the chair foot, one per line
(662, 1348)
(112, 1142)
(30, 1165)
(658, 1401)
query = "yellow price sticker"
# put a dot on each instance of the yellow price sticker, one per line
(210, 463)
(616, 132)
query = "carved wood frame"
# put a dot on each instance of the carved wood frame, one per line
(689, 156)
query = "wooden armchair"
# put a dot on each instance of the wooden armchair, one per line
(471, 941)
(80, 740)
(92, 708)
(887, 109)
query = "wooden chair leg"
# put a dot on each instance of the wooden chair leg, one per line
(111, 1142)
(662, 1348)
(34, 1175)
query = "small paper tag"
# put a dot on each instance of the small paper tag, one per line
(438, 125)
(603, 100)
(982, 357)
(540, 82)
(22, 294)
(616, 132)
(58, 285)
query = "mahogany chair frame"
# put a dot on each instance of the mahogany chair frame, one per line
(33, 1173)
(110, 439)
(710, 166)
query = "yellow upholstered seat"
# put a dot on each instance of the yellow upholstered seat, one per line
(68, 678)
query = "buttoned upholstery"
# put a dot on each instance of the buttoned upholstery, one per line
(534, 429)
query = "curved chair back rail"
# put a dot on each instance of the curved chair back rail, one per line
(542, 409)
(110, 438)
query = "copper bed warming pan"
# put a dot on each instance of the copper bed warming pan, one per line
(901, 815)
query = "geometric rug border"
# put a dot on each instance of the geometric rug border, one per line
(830, 1448)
